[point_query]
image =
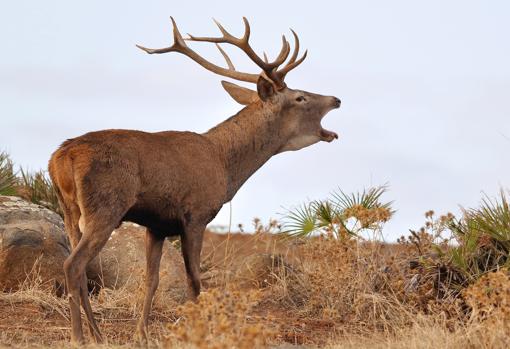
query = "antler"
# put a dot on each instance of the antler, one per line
(269, 69)
(181, 47)
(292, 63)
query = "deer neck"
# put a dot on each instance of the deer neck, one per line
(247, 141)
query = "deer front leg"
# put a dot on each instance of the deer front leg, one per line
(191, 244)
(153, 250)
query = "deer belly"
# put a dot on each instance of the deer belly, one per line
(167, 226)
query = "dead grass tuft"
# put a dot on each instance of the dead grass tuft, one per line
(220, 319)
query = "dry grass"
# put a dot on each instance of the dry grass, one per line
(260, 290)
(428, 333)
(220, 319)
(34, 315)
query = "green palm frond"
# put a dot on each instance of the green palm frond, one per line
(301, 221)
(369, 199)
(493, 218)
(328, 216)
(325, 213)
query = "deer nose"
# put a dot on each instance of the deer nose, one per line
(337, 102)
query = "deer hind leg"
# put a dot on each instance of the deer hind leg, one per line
(191, 244)
(71, 221)
(85, 302)
(153, 250)
(87, 308)
(94, 237)
(71, 216)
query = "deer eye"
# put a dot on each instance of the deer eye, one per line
(300, 99)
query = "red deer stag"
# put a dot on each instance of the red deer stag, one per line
(174, 183)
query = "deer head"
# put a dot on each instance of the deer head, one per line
(297, 114)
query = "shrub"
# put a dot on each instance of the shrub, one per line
(483, 237)
(342, 216)
(38, 188)
(219, 320)
(35, 187)
(8, 180)
(489, 297)
(455, 253)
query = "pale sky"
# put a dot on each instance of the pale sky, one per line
(425, 90)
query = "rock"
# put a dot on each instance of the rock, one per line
(33, 245)
(121, 264)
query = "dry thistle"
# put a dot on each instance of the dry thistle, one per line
(220, 319)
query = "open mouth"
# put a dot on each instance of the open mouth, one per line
(327, 135)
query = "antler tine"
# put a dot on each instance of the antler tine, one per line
(178, 45)
(227, 38)
(177, 35)
(247, 29)
(283, 72)
(225, 33)
(181, 47)
(292, 63)
(296, 48)
(284, 53)
(227, 58)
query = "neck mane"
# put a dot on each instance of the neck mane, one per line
(247, 141)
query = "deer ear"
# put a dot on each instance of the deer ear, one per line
(241, 95)
(265, 88)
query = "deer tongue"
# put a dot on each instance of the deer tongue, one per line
(328, 136)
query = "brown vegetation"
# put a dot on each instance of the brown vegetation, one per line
(445, 285)
(317, 292)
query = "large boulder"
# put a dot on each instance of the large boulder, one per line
(33, 245)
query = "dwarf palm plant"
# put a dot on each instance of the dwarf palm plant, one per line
(483, 236)
(457, 252)
(342, 215)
